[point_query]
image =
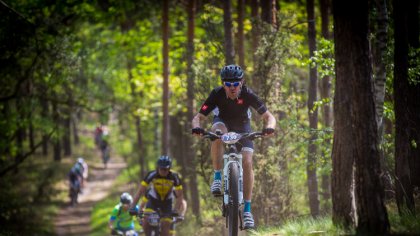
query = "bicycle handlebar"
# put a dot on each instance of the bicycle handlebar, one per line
(251, 135)
(141, 214)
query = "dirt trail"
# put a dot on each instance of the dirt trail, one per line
(76, 220)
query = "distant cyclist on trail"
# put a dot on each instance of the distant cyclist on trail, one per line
(162, 187)
(230, 104)
(76, 178)
(120, 219)
(105, 148)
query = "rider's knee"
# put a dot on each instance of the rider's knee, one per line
(219, 126)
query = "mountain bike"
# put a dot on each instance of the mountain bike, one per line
(232, 177)
(153, 218)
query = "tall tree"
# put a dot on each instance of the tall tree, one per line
(268, 12)
(352, 52)
(191, 8)
(227, 23)
(404, 187)
(379, 27)
(342, 190)
(414, 91)
(312, 182)
(241, 38)
(326, 108)
(165, 95)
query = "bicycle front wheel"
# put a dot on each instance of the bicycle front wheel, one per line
(233, 207)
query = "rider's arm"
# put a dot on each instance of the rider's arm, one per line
(111, 223)
(269, 120)
(197, 120)
(139, 193)
(113, 217)
(179, 199)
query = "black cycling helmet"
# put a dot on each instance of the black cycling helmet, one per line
(164, 162)
(126, 198)
(231, 72)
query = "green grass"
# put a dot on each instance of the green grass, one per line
(302, 226)
(407, 223)
(102, 209)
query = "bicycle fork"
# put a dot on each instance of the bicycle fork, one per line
(227, 160)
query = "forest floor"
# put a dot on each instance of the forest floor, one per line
(76, 220)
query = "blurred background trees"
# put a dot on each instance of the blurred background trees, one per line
(145, 67)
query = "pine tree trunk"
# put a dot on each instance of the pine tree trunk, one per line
(56, 140)
(414, 92)
(326, 108)
(379, 58)
(44, 114)
(404, 188)
(342, 191)
(227, 22)
(351, 31)
(165, 95)
(241, 38)
(311, 165)
(189, 164)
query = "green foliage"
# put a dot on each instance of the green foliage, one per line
(323, 58)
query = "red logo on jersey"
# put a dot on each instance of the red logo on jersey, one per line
(204, 107)
(240, 101)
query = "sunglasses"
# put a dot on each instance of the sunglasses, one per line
(235, 84)
(163, 169)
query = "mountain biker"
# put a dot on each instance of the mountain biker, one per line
(104, 146)
(162, 186)
(84, 168)
(121, 219)
(75, 176)
(230, 104)
(98, 134)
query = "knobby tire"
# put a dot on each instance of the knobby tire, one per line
(233, 207)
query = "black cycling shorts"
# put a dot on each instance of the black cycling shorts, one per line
(238, 127)
(165, 206)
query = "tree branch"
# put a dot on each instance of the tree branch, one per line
(16, 164)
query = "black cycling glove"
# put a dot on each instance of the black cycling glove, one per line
(268, 131)
(133, 211)
(198, 130)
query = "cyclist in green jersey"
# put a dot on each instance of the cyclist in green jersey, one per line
(120, 219)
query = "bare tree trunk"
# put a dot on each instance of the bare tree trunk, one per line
(311, 165)
(343, 210)
(255, 38)
(165, 95)
(326, 108)
(351, 31)
(31, 134)
(241, 38)
(67, 134)
(56, 140)
(227, 22)
(44, 113)
(74, 122)
(414, 91)
(404, 188)
(189, 155)
(379, 50)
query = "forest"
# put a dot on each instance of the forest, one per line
(342, 79)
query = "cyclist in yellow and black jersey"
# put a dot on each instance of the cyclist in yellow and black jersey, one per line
(162, 186)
